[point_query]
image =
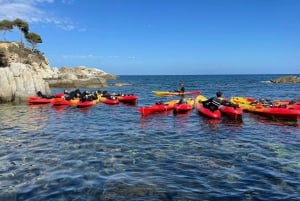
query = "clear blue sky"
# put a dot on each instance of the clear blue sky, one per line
(141, 37)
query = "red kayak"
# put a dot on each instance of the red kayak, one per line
(234, 113)
(82, 104)
(287, 102)
(157, 108)
(278, 113)
(128, 98)
(205, 111)
(34, 100)
(185, 106)
(59, 95)
(267, 108)
(110, 101)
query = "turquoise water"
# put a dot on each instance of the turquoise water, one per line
(112, 153)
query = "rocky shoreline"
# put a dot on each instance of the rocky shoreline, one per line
(24, 72)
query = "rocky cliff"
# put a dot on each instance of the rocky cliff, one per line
(23, 72)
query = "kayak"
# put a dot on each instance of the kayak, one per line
(243, 102)
(232, 112)
(110, 101)
(287, 104)
(62, 101)
(205, 111)
(59, 95)
(82, 104)
(157, 107)
(175, 93)
(246, 101)
(127, 98)
(34, 100)
(271, 111)
(278, 113)
(186, 105)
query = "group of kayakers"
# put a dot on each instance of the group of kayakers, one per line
(212, 103)
(82, 96)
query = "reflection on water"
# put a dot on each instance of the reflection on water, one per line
(23, 118)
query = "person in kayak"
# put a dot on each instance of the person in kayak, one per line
(215, 102)
(182, 88)
(41, 95)
(72, 95)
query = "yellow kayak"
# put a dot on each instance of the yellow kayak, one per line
(175, 93)
(244, 103)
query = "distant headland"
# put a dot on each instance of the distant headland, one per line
(287, 79)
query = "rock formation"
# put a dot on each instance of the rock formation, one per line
(23, 72)
(287, 79)
(79, 77)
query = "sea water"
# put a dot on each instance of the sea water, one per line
(110, 152)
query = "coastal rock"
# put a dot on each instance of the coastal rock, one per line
(24, 72)
(79, 77)
(287, 79)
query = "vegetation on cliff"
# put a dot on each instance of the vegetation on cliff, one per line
(15, 52)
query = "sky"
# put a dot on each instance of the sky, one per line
(164, 37)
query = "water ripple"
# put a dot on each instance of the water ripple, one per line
(112, 153)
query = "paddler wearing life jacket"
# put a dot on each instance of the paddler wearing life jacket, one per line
(214, 102)
(181, 89)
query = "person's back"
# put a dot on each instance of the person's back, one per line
(224, 101)
(214, 102)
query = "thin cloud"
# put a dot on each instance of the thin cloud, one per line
(30, 12)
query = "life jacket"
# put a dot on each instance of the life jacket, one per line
(216, 101)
